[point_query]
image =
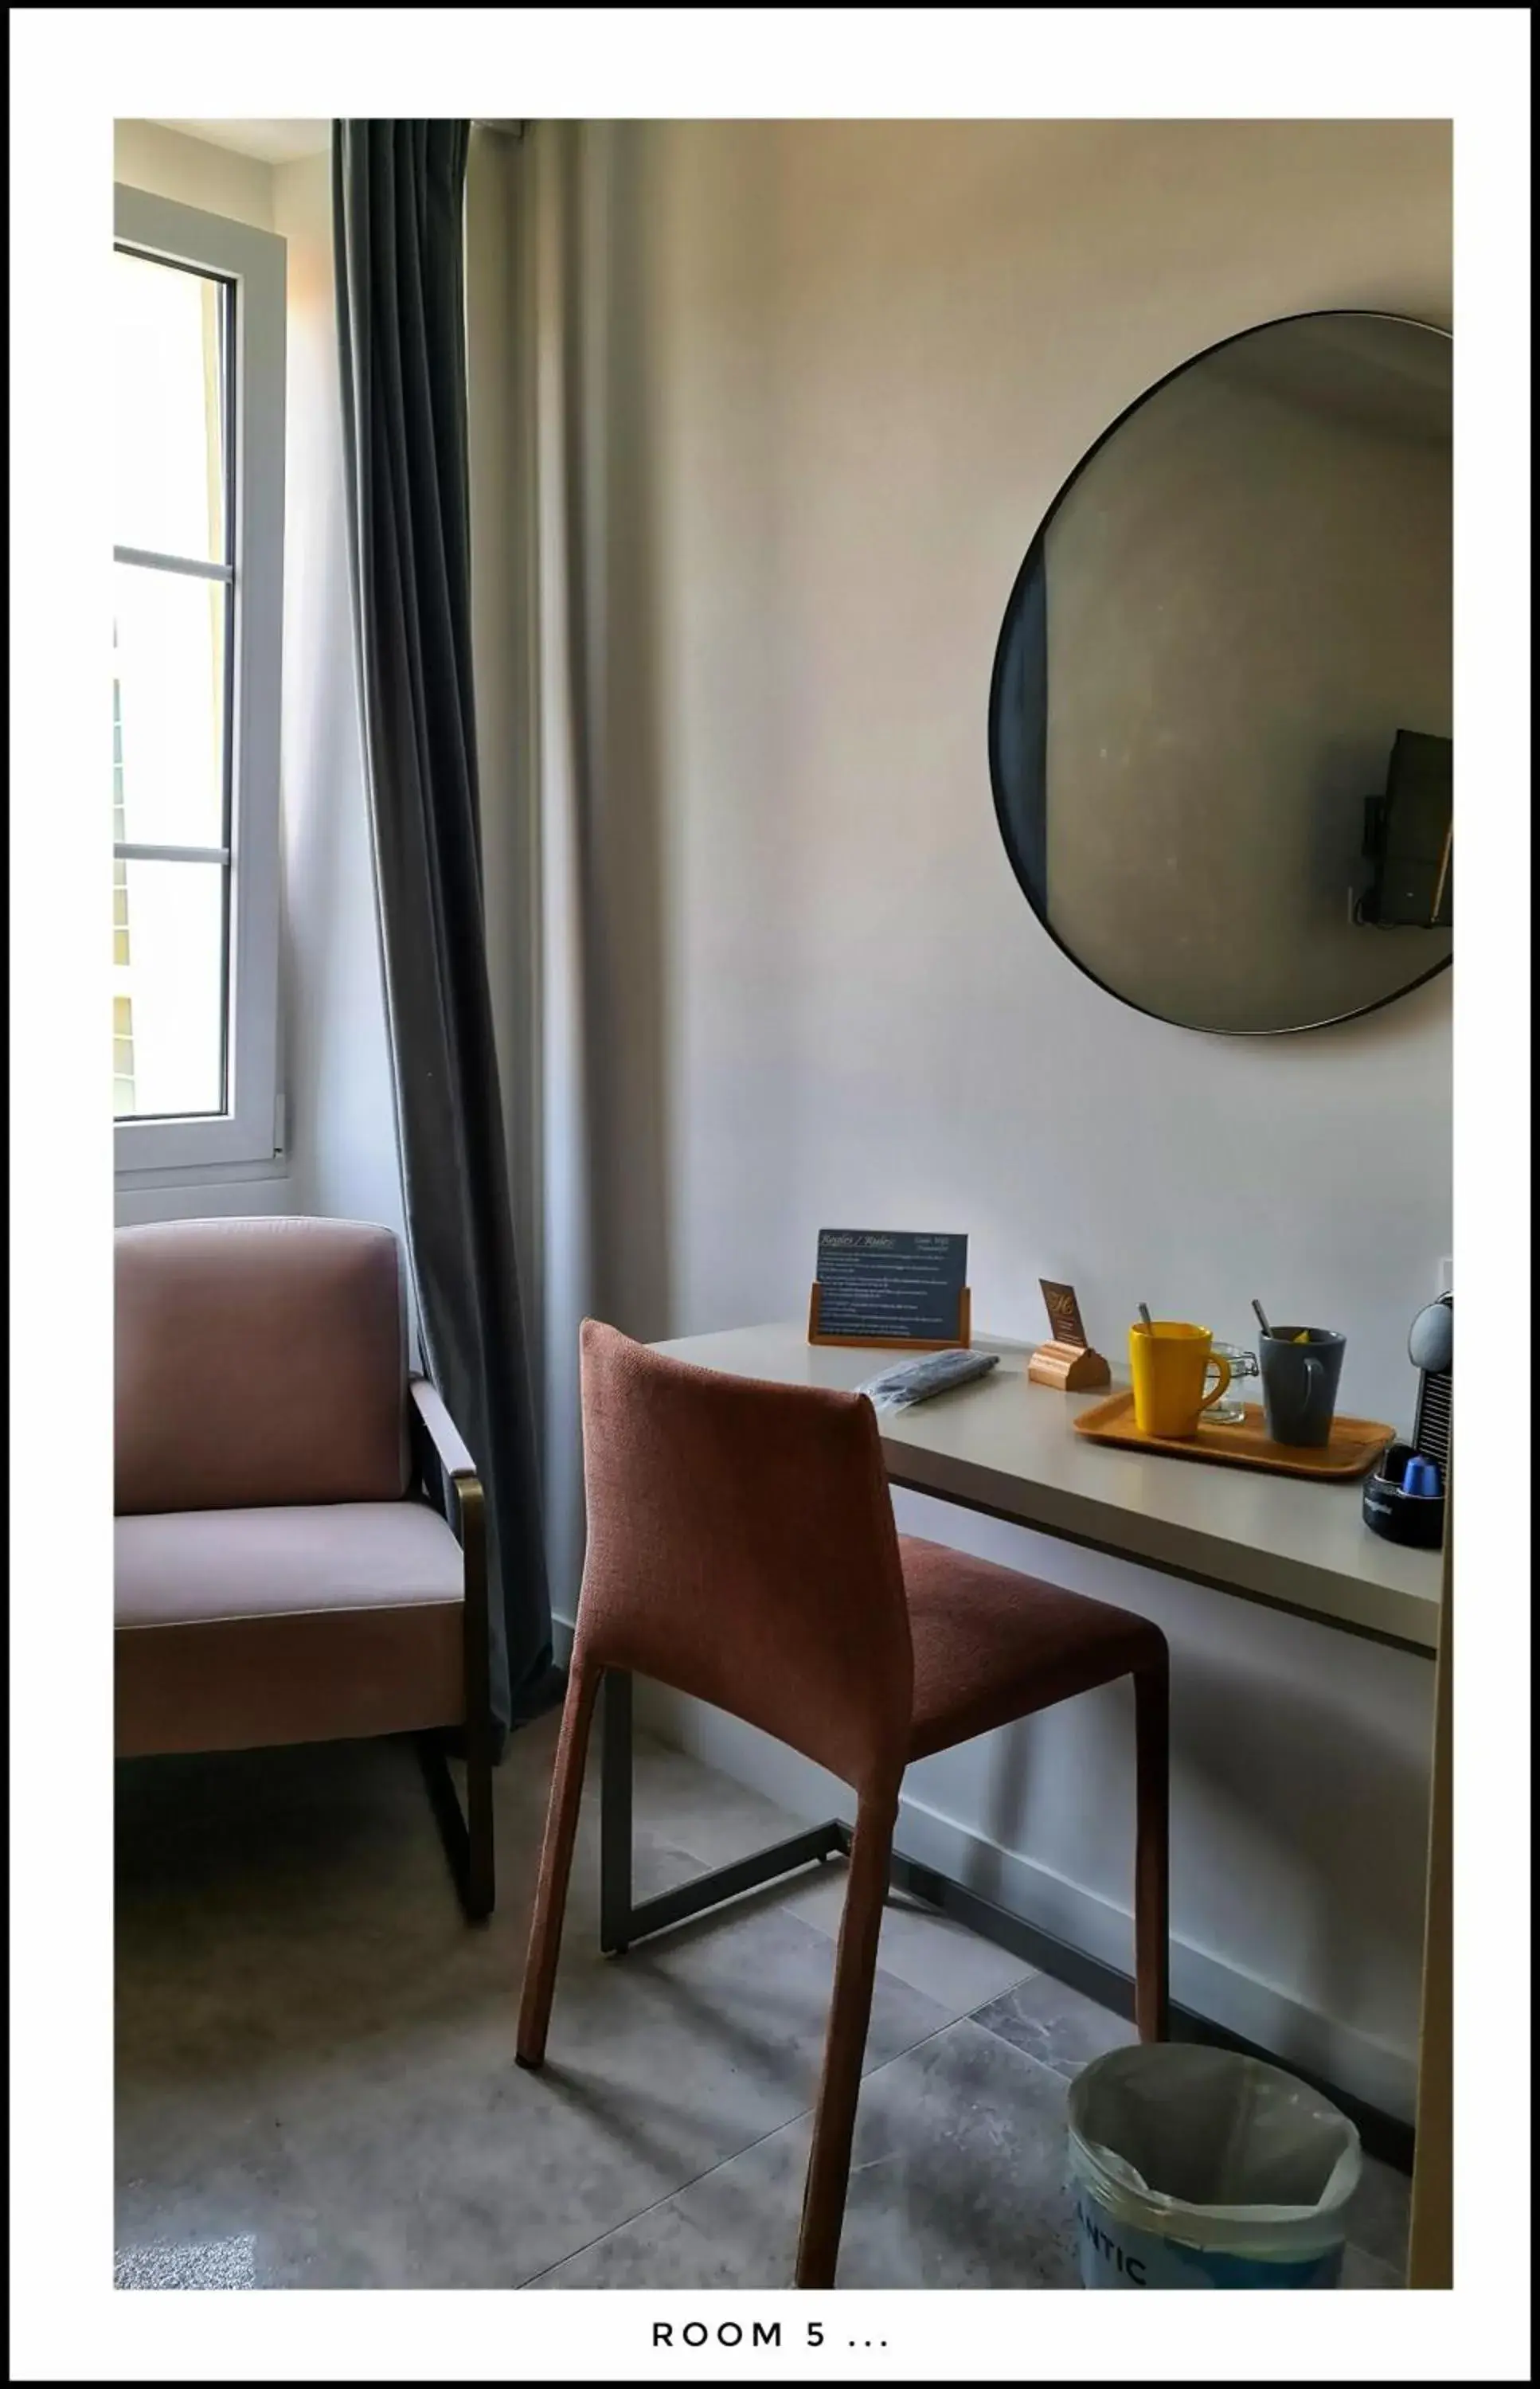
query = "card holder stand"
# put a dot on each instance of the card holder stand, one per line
(1068, 1367)
(963, 1337)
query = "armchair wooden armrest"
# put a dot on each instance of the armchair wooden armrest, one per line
(435, 1437)
(439, 1450)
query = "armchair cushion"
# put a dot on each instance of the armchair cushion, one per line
(242, 1628)
(178, 1567)
(259, 1361)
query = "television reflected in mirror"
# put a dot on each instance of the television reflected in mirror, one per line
(1220, 720)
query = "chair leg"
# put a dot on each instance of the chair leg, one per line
(556, 1867)
(481, 1892)
(468, 1849)
(849, 2013)
(478, 1885)
(1151, 1898)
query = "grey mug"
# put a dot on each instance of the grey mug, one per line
(1299, 1383)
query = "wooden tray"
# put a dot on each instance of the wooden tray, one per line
(1355, 1447)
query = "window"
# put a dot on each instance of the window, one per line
(198, 585)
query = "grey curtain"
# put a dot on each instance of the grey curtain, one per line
(565, 445)
(397, 194)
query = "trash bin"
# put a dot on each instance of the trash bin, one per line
(1195, 2169)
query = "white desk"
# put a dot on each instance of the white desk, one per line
(1007, 1448)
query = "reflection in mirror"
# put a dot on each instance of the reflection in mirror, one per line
(1236, 615)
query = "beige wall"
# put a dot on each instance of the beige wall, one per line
(336, 1048)
(152, 159)
(872, 354)
(854, 363)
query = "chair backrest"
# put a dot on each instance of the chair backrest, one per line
(257, 1362)
(740, 1548)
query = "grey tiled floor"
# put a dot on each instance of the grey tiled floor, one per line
(315, 2076)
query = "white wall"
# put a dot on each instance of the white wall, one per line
(867, 356)
(174, 165)
(341, 1149)
(341, 1106)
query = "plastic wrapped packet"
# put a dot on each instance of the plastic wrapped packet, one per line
(908, 1382)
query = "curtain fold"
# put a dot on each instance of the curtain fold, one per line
(397, 194)
(570, 608)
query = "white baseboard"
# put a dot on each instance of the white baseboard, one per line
(1260, 2012)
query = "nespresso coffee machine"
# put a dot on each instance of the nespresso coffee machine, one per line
(1404, 1500)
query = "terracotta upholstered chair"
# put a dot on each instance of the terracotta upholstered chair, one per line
(741, 1548)
(282, 1573)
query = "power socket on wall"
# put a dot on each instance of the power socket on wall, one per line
(1446, 1276)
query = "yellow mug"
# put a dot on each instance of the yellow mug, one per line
(1170, 1362)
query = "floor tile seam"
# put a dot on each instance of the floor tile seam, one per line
(707, 2171)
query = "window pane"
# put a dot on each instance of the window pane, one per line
(168, 1000)
(122, 1055)
(168, 710)
(169, 375)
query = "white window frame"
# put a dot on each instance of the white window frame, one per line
(153, 1151)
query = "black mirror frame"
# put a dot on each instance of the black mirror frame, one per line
(1025, 601)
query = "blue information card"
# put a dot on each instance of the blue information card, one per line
(876, 1284)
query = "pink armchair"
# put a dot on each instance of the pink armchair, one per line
(301, 1545)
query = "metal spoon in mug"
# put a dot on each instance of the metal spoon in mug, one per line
(1262, 1316)
(1144, 1314)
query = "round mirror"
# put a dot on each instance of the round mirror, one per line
(1220, 720)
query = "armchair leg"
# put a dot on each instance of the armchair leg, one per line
(467, 1846)
(480, 1886)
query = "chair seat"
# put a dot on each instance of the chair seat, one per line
(187, 1567)
(991, 1645)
